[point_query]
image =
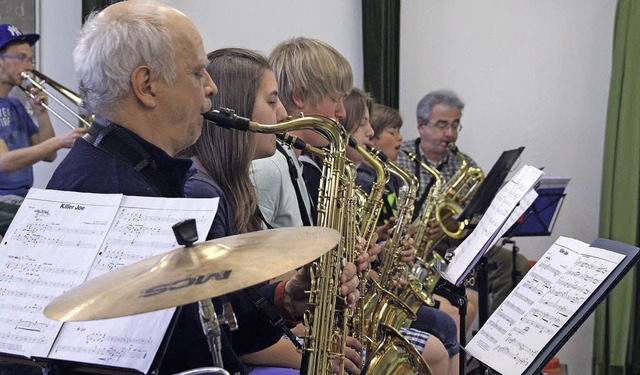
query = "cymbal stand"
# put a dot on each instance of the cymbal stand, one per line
(186, 234)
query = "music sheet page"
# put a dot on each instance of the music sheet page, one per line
(141, 228)
(48, 249)
(550, 293)
(493, 221)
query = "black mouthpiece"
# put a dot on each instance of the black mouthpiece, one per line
(381, 155)
(292, 140)
(227, 118)
(453, 148)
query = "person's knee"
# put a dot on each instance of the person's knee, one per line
(436, 356)
(439, 324)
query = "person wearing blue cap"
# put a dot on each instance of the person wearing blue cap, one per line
(22, 142)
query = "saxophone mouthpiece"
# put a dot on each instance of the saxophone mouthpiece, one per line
(294, 141)
(453, 148)
(378, 153)
(227, 118)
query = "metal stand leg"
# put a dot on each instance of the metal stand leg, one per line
(457, 296)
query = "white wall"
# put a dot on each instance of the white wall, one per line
(533, 73)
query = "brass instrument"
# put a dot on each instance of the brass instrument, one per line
(70, 95)
(424, 270)
(382, 311)
(444, 203)
(392, 356)
(458, 190)
(428, 213)
(325, 320)
(373, 204)
(412, 295)
(369, 211)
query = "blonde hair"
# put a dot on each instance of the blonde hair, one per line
(309, 69)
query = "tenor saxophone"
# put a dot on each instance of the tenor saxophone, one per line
(326, 315)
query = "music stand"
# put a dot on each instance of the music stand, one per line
(491, 184)
(477, 206)
(541, 216)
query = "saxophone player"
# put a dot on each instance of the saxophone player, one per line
(438, 117)
(359, 123)
(148, 108)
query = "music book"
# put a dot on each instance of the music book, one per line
(540, 218)
(550, 303)
(505, 208)
(58, 240)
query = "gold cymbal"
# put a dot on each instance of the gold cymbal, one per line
(189, 274)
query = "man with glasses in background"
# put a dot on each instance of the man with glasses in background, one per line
(22, 142)
(438, 115)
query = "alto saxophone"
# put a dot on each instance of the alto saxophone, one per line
(423, 269)
(369, 211)
(387, 351)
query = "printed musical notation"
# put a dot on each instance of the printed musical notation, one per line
(141, 228)
(59, 240)
(508, 205)
(47, 250)
(550, 293)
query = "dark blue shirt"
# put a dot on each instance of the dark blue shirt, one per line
(88, 168)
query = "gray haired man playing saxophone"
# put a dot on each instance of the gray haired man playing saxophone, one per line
(438, 115)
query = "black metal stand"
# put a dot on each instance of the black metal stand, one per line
(457, 296)
(515, 273)
(482, 280)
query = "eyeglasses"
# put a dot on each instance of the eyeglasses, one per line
(22, 58)
(455, 126)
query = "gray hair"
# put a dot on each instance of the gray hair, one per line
(446, 97)
(111, 47)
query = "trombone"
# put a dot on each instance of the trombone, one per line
(72, 96)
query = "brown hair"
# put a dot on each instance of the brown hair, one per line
(355, 105)
(383, 117)
(226, 154)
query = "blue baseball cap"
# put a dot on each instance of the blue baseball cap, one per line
(10, 33)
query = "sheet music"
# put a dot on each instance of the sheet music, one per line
(493, 222)
(142, 228)
(48, 249)
(60, 239)
(550, 293)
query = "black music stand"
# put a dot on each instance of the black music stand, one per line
(491, 184)
(478, 206)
